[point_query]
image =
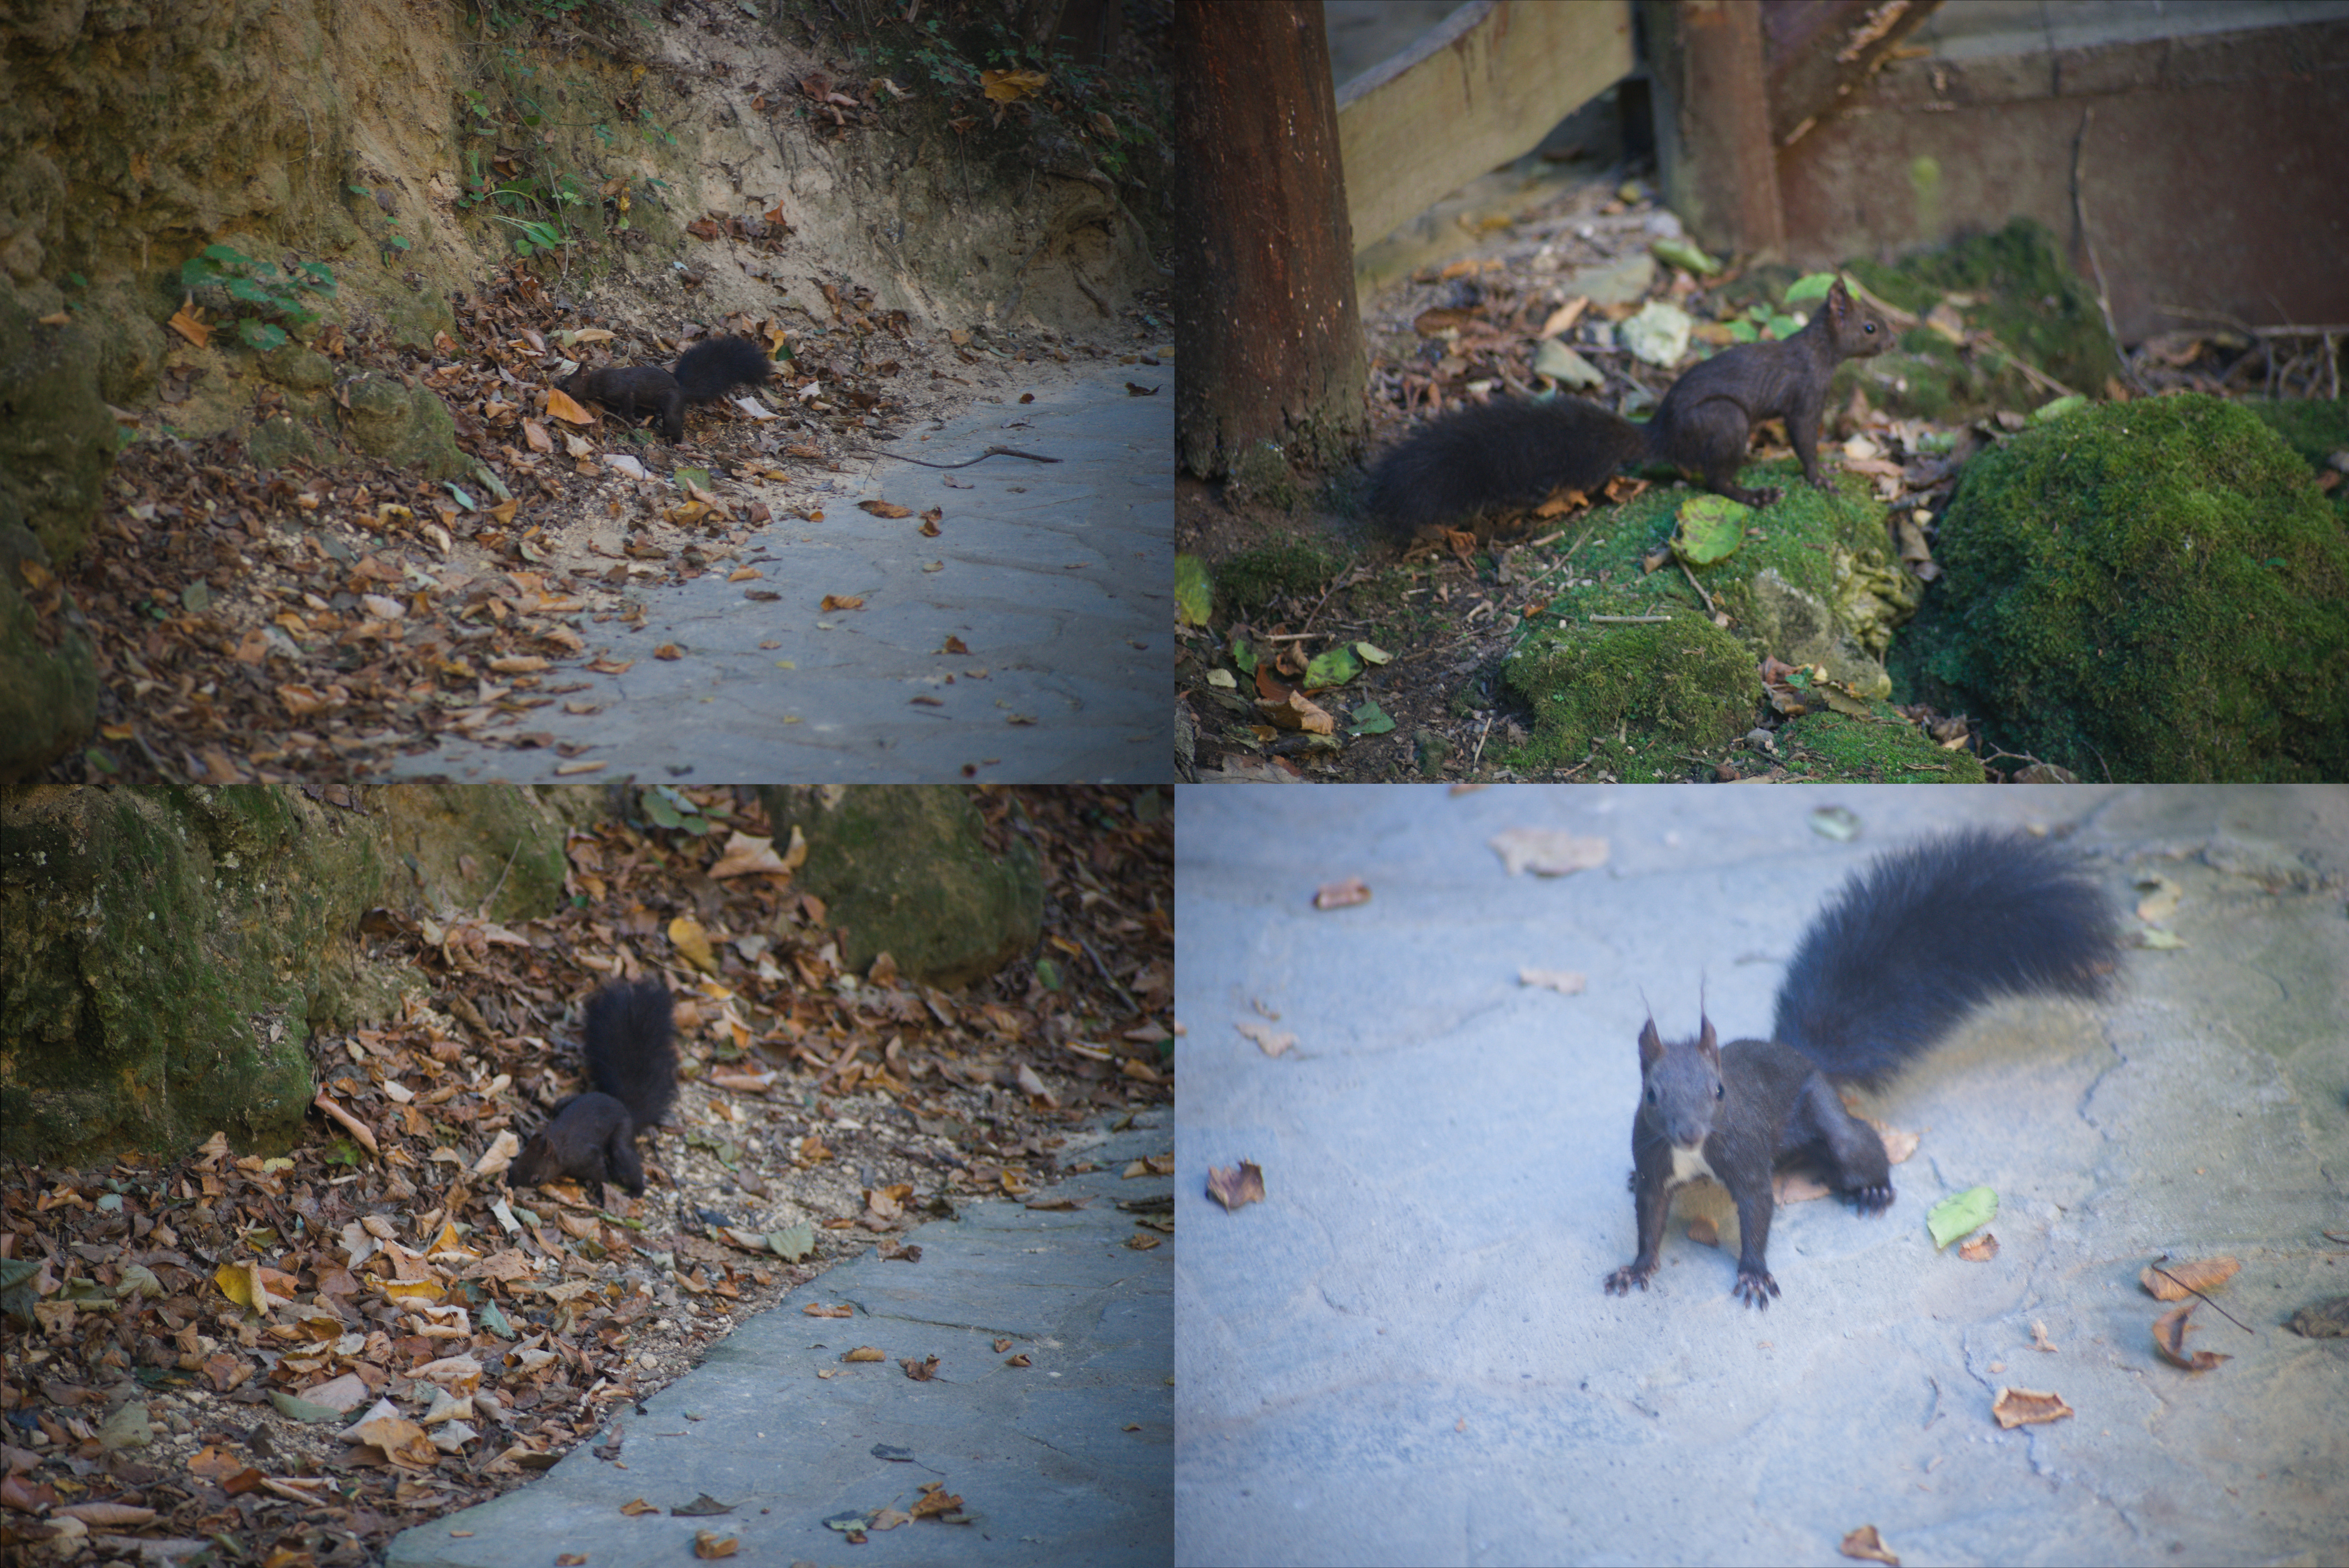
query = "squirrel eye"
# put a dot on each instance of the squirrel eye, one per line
(1652, 1095)
(1721, 1091)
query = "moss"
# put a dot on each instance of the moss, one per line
(2023, 294)
(2150, 591)
(1254, 579)
(1635, 700)
(2315, 427)
(1884, 748)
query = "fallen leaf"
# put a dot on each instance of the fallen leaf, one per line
(1273, 1041)
(884, 509)
(2176, 1281)
(1564, 982)
(1243, 1183)
(1979, 1249)
(1548, 851)
(864, 1353)
(1341, 895)
(2169, 1332)
(1866, 1546)
(2021, 1406)
(840, 602)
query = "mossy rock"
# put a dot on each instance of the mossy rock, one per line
(2145, 591)
(1883, 748)
(1638, 699)
(1252, 580)
(2024, 294)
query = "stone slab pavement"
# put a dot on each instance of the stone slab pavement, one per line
(1403, 1354)
(1057, 578)
(1041, 1456)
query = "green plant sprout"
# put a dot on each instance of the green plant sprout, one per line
(270, 293)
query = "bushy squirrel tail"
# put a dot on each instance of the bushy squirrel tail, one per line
(631, 1056)
(1919, 937)
(719, 364)
(1511, 452)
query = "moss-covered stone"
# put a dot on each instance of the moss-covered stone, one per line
(1633, 698)
(2022, 293)
(1254, 579)
(905, 870)
(2149, 591)
(410, 425)
(1883, 748)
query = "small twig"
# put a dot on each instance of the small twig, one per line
(2190, 1290)
(1709, 608)
(1131, 1005)
(492, 893)
(982, 457)
(1478, 755)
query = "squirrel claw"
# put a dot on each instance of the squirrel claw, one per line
(1621, 1281)
(1755, 1287)
(1872, 1200)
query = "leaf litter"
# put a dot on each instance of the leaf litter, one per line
(291, 1357)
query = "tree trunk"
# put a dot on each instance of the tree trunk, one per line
(1269, 347)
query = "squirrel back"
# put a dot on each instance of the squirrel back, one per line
(704, 371)
(1513, 453)
(632, 1063)
(1923, 935)
(1904, 953)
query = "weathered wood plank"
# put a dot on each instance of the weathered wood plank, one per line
(1482, 88)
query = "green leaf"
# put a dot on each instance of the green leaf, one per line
(2057, 408)
(657, 806)
(1813, 286)
(1371, 653)
(1194, 593)
(1745, 331)
(1711, 529)
(1960, 1212)
(1335, 668)
(1370, 718)
(294, 1410)
(1048, 974)
(197, 596)
(1244, 655)
(262, 335)
(1685, 257)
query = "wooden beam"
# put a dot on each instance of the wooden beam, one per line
(1483, 87)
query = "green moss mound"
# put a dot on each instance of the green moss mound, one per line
(2150, 591)
(1882, 748)
(1636, 699)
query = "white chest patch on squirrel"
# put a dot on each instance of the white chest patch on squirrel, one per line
(1689, 1164)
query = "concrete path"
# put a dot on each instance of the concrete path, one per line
(1066, 1463)
(1057, 578)
(1403, 1354)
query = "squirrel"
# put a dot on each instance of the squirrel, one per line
(632, 1063)
(706, 370)
(1911, 945)
(1515, 453)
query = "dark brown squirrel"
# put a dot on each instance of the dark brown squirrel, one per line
(706, 370)
(1515, 453)
(1909, 946)
(632, 1063)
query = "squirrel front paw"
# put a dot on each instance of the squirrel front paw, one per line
(1873, 1199)
(1755, 1287)
(1621, 1281)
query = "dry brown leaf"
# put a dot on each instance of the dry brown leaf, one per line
(2039, 1340)
(1979, 1249)
(2169, 1332)
(864, 1353)
(1866, 1546)
(884, 509)
(840, 602)
(1272, 1041)
(2176, 1281)
(920, 1371)
(813, 1309)
(1296, 711)
(1243, 1183)
(1548, 851)
(2020, 1406)
(1341, 895)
